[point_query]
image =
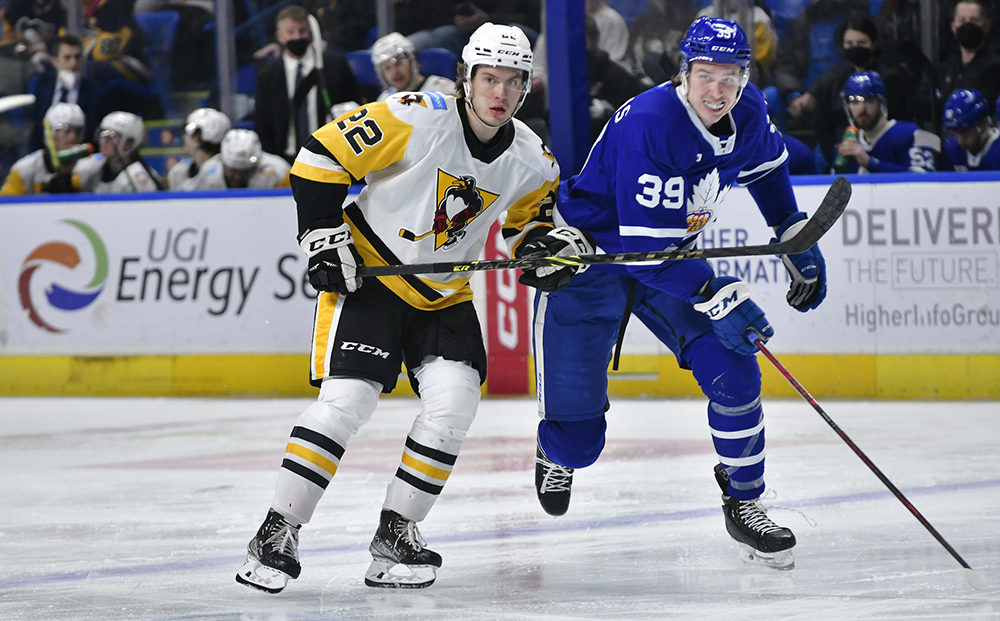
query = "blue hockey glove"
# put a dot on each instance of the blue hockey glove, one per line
(726, 301)
(807, 269)
(333, 259)
(563, 241)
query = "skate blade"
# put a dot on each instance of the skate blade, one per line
(257, 576)
(388, 574)
(782, 561)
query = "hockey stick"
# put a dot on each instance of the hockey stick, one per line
(971, 576)
(317, 38)
(12, 102)
(828, 212)
(411, 236)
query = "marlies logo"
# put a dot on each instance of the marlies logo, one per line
(56, 295)
(706, 198)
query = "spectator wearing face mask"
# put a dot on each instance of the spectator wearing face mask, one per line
(290, 104)
(972, 65)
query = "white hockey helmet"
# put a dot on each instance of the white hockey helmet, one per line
(241, 149)
(128, 127)
(394, 45)
(498, 46)
(212, 123)
(65, 115)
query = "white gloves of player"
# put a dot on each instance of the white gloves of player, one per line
(563, 241)
(806, 269)
(333, 259)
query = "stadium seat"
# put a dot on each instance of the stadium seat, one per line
(160, 28)
(360, 62)
(629, 9)
(438, 61)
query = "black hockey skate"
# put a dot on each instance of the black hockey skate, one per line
(761, 540)
(272, 555)
(553, 484)
(399, 558)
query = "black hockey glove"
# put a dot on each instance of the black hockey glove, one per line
(333, 259)
(807, 269)
(726, 301)
(563, 241)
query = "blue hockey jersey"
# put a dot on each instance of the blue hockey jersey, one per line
(957, 158)
(656, 178)
(900, 147)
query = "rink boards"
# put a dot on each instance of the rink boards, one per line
(204, 294)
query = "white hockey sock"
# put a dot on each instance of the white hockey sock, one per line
(449, 396)
(317, 443)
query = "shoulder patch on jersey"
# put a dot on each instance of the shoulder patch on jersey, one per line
(437, 100)
(413, 99)
(547, 153)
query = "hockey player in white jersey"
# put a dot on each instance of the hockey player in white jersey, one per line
(242, 163)
(656, 178)
(439, 171)
(118, 168)
(50, 170)
(883, 144)
(204, 130)
(397, 68)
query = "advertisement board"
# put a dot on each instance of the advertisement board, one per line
(913, 273)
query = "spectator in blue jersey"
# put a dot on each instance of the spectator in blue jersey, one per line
(973, 143)
(656, 178)
(883, 144)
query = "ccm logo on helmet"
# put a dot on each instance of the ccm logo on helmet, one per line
(364, 349)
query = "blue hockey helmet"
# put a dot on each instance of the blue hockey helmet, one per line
(964, 109)
(864, 84)
(715, 40)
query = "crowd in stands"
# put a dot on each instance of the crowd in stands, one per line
(845, 80)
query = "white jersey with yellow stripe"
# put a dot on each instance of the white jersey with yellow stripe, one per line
(91, 175)
(28, 175)
(272, 172)
(433, 190)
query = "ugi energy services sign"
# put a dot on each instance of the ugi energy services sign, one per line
(164, 276)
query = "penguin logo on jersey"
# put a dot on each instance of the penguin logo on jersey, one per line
(706, 198)
(410, 99)
(460, 200)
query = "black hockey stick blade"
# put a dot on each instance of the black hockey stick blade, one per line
(971, 576)
(826, 215)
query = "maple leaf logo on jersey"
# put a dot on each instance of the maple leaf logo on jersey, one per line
(413, 98)
(706, 197)
(460, 200)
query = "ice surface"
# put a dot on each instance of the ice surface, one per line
(142, 508)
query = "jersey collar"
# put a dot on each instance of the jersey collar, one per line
(720, 146)
(486, 153)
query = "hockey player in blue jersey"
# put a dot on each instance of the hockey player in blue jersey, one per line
(973, 144)
(655, 179)
(883, 144)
